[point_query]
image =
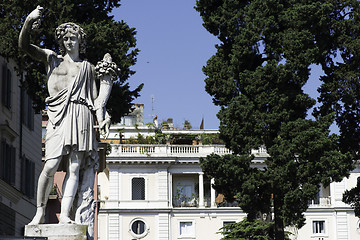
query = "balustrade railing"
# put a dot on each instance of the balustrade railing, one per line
(319, 202)
(184, 149)
(135, 149)
(260, 150)
(167, 150)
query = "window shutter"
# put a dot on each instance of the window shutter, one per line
(7, 167)
(23, 174)
(32, 179)
(12, 165)
(138, 189)
(2, 158)
(27, 177)
(30, 114)
(3, 84)
(8, 100)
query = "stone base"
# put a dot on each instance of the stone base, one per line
(57, 231)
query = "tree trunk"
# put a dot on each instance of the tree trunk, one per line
(279, 223)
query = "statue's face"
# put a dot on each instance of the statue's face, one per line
(71, 42)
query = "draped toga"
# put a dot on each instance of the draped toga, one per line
(71, 121)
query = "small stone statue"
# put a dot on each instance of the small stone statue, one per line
(72, 103)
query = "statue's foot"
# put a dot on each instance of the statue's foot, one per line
(39, 217)
(65, 220)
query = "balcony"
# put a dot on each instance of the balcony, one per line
(157, 150)
(184, 201)
(320, 202)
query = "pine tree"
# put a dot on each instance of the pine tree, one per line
(104, 35)
(257, 77)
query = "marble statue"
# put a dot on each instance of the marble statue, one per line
(73, 105)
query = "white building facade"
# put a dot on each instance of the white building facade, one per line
(328, 218)
(20, 153)
(160, 192)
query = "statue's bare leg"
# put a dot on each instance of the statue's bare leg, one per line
(45, 183)
(70, 186)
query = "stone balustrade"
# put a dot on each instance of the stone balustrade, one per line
(166, 150)
(320, 202)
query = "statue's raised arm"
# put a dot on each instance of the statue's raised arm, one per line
(24, 38)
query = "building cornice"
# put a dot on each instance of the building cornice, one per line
(173, 210)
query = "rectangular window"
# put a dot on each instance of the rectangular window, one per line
(227, 222)
(6, 86)
(187, 229)
(7, 162)
(318, 227)
(138, 188)
(27, 177)
(226, 226)
(184, 195)
(27, 110)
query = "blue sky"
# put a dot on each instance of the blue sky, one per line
(174, 47)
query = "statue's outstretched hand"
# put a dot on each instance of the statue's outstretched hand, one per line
(35, 14)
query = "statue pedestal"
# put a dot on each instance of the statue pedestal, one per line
(57, 231)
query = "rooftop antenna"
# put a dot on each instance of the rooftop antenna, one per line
(152, 106)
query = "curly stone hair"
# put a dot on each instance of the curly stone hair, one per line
(74, 28)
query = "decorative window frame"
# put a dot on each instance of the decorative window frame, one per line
(192, 236)
(146, 230)
(146, 186)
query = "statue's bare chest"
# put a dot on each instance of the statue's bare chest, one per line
(62, 75)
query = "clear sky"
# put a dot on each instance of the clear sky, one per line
(174, 47)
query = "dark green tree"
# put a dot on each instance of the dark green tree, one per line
(257, 77)
(104, 35)
(248, 230)
(340, 91)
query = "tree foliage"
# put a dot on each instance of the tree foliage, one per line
(248, 230)
(104, 35)
(257, 77)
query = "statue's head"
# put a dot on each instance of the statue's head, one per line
(74, 29)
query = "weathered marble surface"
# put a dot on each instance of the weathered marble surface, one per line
(57, 231)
